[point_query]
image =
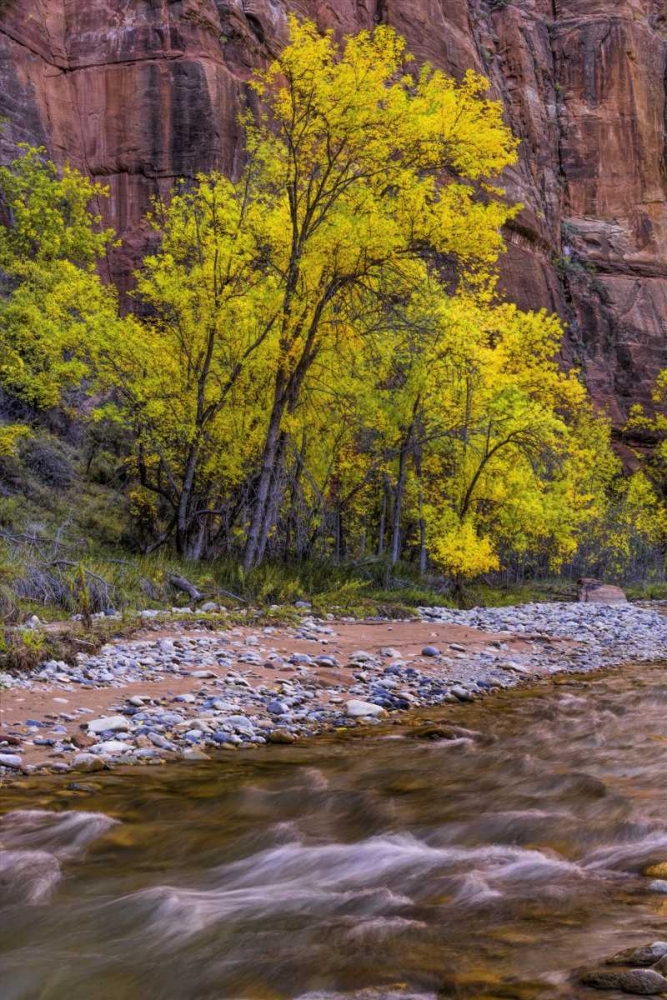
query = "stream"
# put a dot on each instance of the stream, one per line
(373, 866)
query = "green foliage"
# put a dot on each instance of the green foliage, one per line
(56, 304)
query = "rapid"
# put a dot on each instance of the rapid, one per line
(497, 864)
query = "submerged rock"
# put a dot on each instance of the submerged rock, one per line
(640, 982)
(647, 955)
(658, 870)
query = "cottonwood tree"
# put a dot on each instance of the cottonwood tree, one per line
(53, 306)
(365, 171)
(357, 173)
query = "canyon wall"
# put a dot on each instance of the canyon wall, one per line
(142, 92)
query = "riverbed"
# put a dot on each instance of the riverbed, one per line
(186, 691)
(496, 864)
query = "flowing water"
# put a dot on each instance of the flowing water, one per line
(382, 866)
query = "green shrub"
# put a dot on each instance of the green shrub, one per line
(47, 460)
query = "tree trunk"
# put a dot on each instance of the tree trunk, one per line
(398, 504)
(292, 524)
(383, 521)
(183, 512)
(340, 544)
(400, 491)
(423, 551)
(273, 500)
(269, 457)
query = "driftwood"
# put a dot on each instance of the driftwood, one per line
(180, 583)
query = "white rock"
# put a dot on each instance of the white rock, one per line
(109, 724)
(363, 709)
(10, 760)
(113, 747)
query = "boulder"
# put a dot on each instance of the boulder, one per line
(594, 592)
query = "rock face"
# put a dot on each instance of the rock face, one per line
(142, 93)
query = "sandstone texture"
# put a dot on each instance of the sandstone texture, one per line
(142, 93)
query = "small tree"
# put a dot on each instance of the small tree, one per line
(55, 307)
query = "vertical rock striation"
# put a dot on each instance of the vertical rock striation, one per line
(143, 92)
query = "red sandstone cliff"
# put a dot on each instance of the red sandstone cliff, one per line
(141, 92)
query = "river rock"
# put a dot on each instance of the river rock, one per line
(281, 736)
(10, 740)
(10, 760)
(138, 700)
(113, 747)
(641, 982)
(363, 709)
(647, 955)
(462, 694)
(361, 656)
(430, 651)
(658, 870)
(109, 724)
(88, 762)
(192, 753)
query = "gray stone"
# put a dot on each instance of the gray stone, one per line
(641, 982)
(113, 746)
(10, 760)
(109, 724)
(647, 955)
(363, 709)
(462, 694)
(88, 762)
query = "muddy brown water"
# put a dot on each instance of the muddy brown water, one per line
(383, 866)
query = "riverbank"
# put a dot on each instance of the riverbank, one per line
(177, 691)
